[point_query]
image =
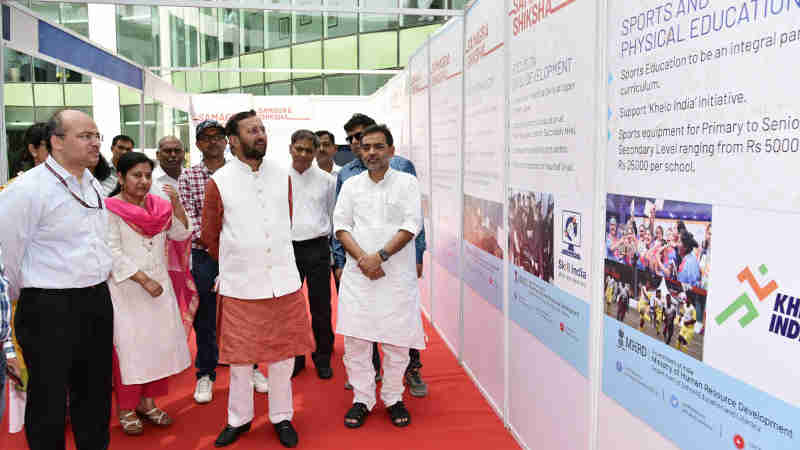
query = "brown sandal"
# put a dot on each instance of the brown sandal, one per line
(156, 417)
(131, 424)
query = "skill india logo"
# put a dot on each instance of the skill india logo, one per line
(571, 233)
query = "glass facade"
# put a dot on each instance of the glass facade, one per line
(226, 38)
(219, 38)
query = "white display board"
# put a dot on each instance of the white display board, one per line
(419, 154)
(702, 130)
(484, 171)
(552, 129)
(446, 85)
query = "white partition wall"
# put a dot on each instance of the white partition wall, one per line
(551, 208)
(702, 130)
(446, 85)
(419, 154)
(484, 242)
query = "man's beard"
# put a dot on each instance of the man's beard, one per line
(252, 152)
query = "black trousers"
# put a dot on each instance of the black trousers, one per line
(67, 336)
(313, 263)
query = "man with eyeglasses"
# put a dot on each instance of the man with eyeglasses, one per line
(354, 129)
(54, 248)
(170, 156)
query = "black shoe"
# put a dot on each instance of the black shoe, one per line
(324, 372)
(230, 434)
(286, 434)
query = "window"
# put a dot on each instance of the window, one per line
(46, 72)
(210, 79)
(378, 50)
(252, 31)
(254, 61)
(307, 56)
(338, 24)
(371, 83)
(341, 53)
(17, 66)
(375, 22)
(307, 25)
(129, 115)
(75, 17)
(138, 34)
(341, 85)
(209, 39)
(312, 86)
(279, 88)
(258, 89)
(230, 32)
(229, 80)
(48, 95)
(177, 29)
(280, 58)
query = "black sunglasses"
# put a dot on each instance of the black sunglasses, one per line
(356, 136)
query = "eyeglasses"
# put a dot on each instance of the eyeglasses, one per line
(209, 138)
(86, 137)
(356, 136)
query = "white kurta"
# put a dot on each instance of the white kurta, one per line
(149, 336)
(385, 310)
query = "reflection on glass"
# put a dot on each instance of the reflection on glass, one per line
(209, 40)
(230, 32)
(17, 66)
(253, 32)
(374, 22)
(138, 34)
(46, 72)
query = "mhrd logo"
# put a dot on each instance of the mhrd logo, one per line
(785, 311)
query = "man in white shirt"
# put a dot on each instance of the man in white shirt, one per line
(377, 215)
(170, 156)
(327, 150)
(314, 196)
(54, 226)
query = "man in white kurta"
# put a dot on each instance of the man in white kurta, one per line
(376, 216)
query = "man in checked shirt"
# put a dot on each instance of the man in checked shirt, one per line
(191, 187)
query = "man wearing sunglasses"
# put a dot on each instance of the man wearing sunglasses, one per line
(54, 248)
(355, 128)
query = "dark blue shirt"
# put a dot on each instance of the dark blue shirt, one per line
(354, 168)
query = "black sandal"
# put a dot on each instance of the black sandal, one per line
(357, 413)
(399, 414)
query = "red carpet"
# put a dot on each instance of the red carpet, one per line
(453, 415)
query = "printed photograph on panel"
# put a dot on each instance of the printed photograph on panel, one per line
(483, 224)
(530, 238)
(657, 268)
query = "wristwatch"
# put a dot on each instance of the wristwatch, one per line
(384, 256)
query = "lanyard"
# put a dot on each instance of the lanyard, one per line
(80, 200)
